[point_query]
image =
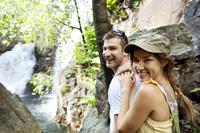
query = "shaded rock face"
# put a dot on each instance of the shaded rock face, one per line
(192, 20)
(5, 47)
(102, 96)
(97, 119)
(45, 61)
(14, 116)
(94, 123)
(71, 88)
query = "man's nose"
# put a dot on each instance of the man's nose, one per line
(106, 53)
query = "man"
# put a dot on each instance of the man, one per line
(115, 57)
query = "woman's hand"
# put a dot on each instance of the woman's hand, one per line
(126, 67)
(127, 82)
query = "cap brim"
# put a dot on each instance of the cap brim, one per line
(149, 48)
(129, 48)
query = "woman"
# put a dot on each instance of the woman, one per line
(155, 108)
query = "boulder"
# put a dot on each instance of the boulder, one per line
(14, 115)
(94, 123)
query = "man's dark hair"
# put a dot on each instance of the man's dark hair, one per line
(119, 34)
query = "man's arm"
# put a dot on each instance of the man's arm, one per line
(115, 124)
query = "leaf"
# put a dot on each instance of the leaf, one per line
(90, 100)
(195, 90)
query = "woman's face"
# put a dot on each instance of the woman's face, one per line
(147, 65)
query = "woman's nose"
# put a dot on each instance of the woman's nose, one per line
(140, 66)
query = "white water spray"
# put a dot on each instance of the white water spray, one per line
(16, 67)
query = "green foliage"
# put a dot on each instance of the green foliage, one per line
(44, 23)
(195, 90)
(112, 5)
(42, 82)
(89, 100)
(196, 129)
(90, 45)
(41, 22)
(136, 4)
(122, 13)
(87, 56)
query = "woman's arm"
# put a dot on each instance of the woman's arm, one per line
(131, 118)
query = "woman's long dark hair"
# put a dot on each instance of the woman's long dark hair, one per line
(184, 102)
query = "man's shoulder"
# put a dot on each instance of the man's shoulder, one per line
(114, 80)
(114, 86)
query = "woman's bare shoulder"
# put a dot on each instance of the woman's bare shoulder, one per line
(150, 91)
(148, 87)
(146, 97)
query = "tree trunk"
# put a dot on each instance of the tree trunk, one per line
(102, 26)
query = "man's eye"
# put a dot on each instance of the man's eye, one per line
(112, 48)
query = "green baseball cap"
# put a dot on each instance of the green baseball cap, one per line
(150, 42)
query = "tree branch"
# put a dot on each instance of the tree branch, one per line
(73, 27)
(79, 21)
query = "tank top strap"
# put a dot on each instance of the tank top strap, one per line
(151, 81)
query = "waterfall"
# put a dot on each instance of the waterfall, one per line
(16, 67)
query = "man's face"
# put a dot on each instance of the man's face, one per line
(113, 53)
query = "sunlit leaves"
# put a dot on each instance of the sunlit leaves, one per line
(112, 5)
(86, 55)
(195, 90)
(42, 83)
(34, 21)
(43, 22)
(89, 100)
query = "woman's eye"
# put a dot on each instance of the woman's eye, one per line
(135, 61)
(147, 60)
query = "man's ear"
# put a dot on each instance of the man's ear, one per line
(126, 54)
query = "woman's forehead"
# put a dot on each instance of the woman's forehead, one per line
(141, 53)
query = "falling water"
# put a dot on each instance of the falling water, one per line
(16, 67)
